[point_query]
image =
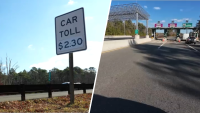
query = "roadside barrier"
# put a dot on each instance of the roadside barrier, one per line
(22, 89)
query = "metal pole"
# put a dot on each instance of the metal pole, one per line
(71, 78)
(147, 26)
(137, 21)
(124, 27)
(186, 28)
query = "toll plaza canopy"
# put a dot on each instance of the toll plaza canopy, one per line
(127, 11)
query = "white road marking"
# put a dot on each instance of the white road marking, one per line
(191, 47)
(161, 45)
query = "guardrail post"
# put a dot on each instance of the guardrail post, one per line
(22, 92)
(49, 90)
(84, 89)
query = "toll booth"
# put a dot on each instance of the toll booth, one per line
(153, 33)
(178, 33)
(165, 33)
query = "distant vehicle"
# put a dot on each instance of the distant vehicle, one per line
(194, 34)
(77, 83)
(66, 83)
(69, 83)
(191, 40)
(185, 36)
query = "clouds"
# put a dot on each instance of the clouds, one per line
(145, 6)
(59, 61)
(181, 20)
(163, 21)
(157, 8)
(71, 2)
(83, 59)
(30, 47)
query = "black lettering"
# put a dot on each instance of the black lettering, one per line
(74, 41)
(61, 33)
(62, 22)
(66, 44)
(71, 32)
(67, 32)
(68, 21)
(76, 30)
(74, 19)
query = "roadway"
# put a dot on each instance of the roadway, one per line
(39, 95)
(155, 77)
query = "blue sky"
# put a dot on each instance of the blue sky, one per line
(27, 31)
(165, 11)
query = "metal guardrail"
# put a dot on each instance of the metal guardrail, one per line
(22, 89)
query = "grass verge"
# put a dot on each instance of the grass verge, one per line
(54, 104)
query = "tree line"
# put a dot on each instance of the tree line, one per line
(116, 27)
(9, 76)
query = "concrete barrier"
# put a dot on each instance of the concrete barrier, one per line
(118, 36)
(116, 44)
(140, 41)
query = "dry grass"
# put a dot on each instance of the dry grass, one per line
(55, 104)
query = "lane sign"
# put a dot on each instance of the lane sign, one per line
(158, 25)
(187, 24)
(172, 25)
(136, 31)
(70, 32)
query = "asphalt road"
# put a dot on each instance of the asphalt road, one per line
(154, 77)
(39, 95)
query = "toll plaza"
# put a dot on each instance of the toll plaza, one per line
(185, 26)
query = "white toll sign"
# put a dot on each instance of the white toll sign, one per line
(70, 32)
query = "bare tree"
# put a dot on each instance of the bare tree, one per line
(2, 69)
(10, 69)
(9, 66)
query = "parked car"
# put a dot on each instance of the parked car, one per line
(66, 83)
(190, 40)
(69, 83)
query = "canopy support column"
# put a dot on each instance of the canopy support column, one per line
(147, 35)
(137, 36)
(124, 27)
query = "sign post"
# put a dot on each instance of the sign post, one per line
(71, 78)
(70, 37)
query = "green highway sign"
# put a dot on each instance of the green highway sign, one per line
(136, 31)
(187, 24)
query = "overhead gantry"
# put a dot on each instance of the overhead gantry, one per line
(131, 11)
